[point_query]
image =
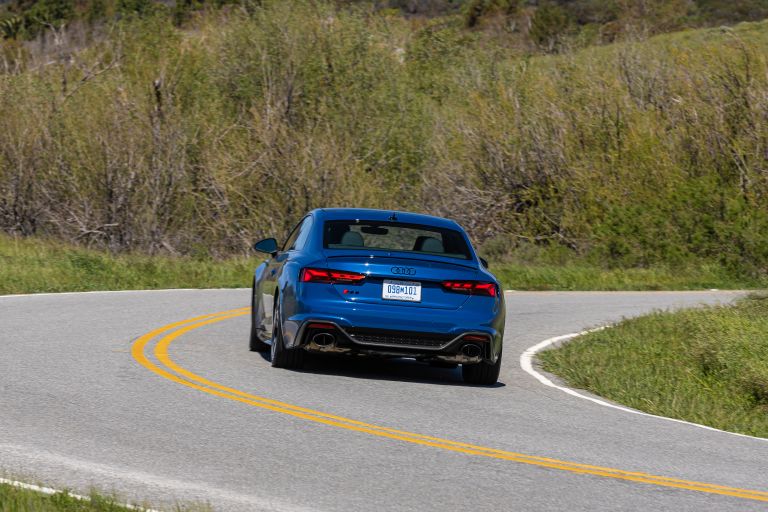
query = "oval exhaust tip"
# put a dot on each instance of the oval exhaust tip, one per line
(471, 350)
(323, 339)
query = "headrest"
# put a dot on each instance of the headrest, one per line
(428, 244)
(352, 238)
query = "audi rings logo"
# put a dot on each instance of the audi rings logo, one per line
(403, 271)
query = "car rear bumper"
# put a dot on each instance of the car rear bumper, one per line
(328, 337)
(464, 343)
(430, 334)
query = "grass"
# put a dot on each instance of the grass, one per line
(14, 499)
(575, 276)
(31, 265)
(707, 365)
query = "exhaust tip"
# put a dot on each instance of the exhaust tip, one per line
(471, 350)
(323, 339)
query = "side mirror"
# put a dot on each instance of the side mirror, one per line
(484, 262)
(268, 245)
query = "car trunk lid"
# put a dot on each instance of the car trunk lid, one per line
(389, 272)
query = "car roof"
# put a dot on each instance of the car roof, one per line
(370, 214)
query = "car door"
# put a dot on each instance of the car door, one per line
(275, 265)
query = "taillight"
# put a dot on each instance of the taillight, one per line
(475, 337)
(321, 325)
(324, 275)
(471, 287)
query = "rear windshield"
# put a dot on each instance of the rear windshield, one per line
(394, 236)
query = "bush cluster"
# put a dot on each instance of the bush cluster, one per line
(201, 140)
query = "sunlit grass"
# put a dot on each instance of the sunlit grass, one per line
(582, 276)
(29, 265)
(15, 499)
(707, 365)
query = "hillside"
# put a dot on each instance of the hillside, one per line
(198, 140)
(539, 25)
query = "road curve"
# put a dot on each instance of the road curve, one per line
(124, 392)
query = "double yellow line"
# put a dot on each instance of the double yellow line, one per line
(168, 369)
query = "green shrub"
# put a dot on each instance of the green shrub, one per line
(197, 140)
(550, 26)
(475, 10)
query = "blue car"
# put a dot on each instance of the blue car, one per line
(378, 283)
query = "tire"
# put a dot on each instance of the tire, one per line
(484, 374)
(256, 345)
(281, 357)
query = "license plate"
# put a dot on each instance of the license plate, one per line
(409, 291)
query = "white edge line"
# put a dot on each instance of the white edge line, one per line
(96, 292)
(50, 491)
(526, 363)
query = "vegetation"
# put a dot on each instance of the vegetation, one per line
(521, 20)
(708, 365)
(194, 139)
(576, 276)
(31, 266)
(14, 499)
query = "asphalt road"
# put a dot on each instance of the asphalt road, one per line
(77, 409)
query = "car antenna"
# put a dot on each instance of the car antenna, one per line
(393, 217)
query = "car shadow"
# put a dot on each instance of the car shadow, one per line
(376, 368)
